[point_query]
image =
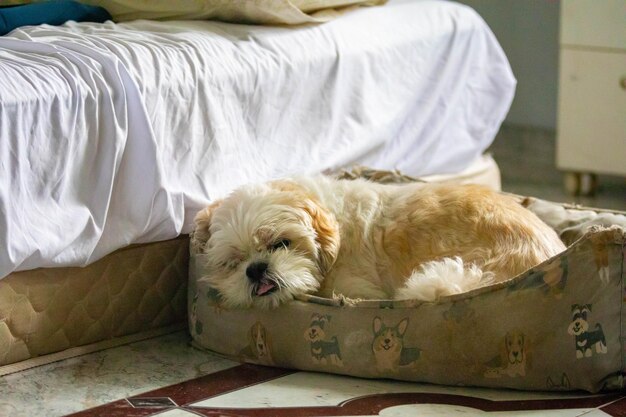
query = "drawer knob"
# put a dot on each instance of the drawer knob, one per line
(622, 82)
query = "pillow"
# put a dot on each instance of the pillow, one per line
(51, 12)
(291, 12)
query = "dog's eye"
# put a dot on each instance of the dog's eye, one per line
(230, 264)
(284, 243)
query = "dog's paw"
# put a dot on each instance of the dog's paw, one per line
(442, 278)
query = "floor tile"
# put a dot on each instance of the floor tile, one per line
(257, 391)
(88, 381)
(314, 390)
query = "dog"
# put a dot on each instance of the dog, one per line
(388, 346)
(268, 243)
(584, 338)
(258, 345)
(322, 348)
(564, 384)
(514, 356)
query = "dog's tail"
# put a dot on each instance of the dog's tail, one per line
(599, 329)
(444, 277)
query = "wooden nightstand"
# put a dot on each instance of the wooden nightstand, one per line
(591, 127)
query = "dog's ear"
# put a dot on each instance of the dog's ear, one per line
(251, 335)
(507, 340)
(527, 352)
(326, 233)
(378, 324)
(404, 323)
(504, 349)
(201, 233)
(323, 221)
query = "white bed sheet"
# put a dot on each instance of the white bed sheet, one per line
(117, 134)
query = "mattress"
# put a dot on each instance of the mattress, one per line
(47, 314)
(116, 134)
(136, 291)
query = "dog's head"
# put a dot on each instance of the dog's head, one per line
(579, 323)
(267, 243)
(515, 347)
(315, 331)
(259, 342)
(388, 339)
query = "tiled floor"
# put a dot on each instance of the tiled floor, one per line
(91, 380)
(166, 377)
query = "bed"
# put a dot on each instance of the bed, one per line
(558, 326)
(112, 137)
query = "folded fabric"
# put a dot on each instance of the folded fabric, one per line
(269, 12)
(51, 12)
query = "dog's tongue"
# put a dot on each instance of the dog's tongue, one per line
(265, 286)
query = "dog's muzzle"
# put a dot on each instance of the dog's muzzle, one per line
(257, 274)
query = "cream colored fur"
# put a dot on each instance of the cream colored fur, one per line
(366, 240)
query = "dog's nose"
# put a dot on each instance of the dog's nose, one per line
(387, 341)
(255, 271)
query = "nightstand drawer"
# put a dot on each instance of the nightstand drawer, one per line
(595, 23)
(591, 131)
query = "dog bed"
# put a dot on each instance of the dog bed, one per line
(558, 326)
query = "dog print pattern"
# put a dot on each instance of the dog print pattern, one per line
(585, 338)
(459, 312)
(513, 360)
(564, 383)
(600, 248)
(551, 279)
(388, 346)
(194, 323)
(324, 349)
(259, 348)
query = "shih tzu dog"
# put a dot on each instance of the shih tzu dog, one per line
(267, 243)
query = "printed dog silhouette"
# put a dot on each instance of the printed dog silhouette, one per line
(388, 346)
(585, 339)
(514, 357)
(322, 348)
(258, 348)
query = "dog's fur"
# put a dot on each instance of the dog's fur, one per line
(268, 243)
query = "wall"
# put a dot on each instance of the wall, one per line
(528, 31)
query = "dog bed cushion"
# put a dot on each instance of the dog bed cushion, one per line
(558, 326)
